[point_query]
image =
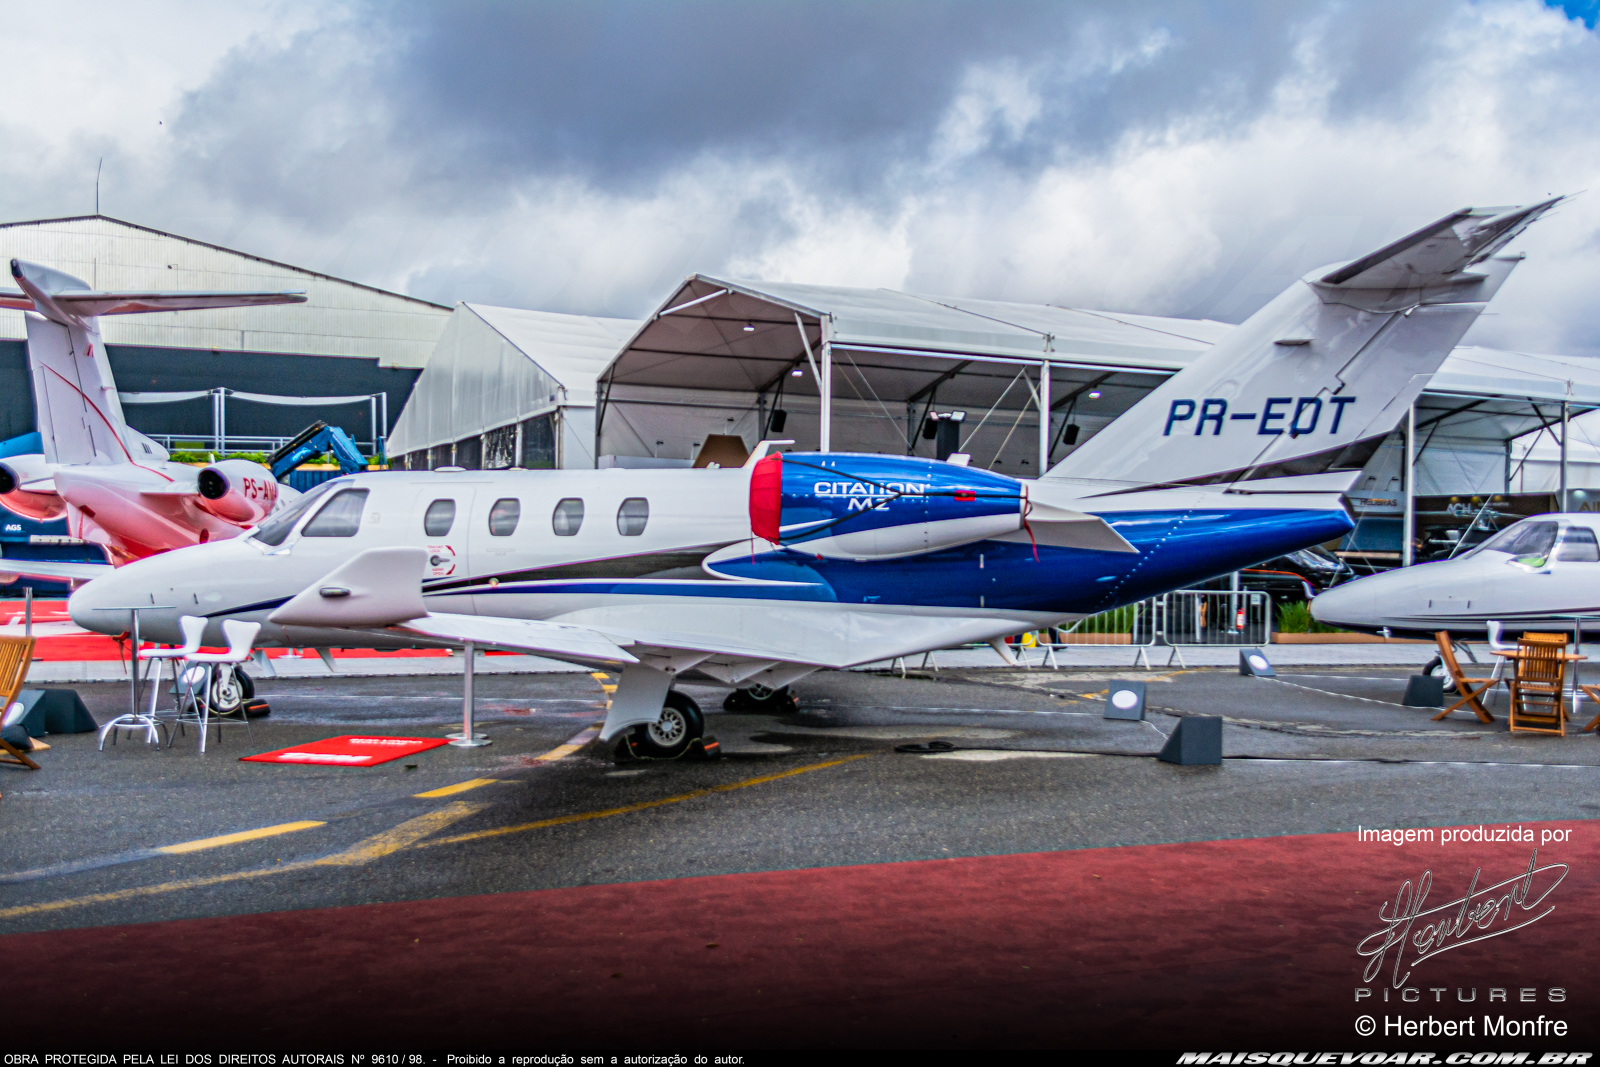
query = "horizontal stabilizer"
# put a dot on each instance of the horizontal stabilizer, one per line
(1440, 251)
(379, 587)
(90, 303)
(60, 297)
(561, 640)
(58, 570)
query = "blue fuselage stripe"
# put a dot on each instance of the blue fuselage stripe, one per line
(1176, 548)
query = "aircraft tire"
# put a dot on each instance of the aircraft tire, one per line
(229, 691)
(681, 722)
(1436, 666)
(761, 699)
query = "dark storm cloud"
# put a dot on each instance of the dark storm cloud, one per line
(1176, 157)
(618, 91)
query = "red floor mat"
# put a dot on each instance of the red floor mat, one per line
(349, 751)
(1210, 945)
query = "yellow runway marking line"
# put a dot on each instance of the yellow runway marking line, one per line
(373, 848)
(405, 835)
(644, 805)
(234, 839)
(459, 787)
(581, 738)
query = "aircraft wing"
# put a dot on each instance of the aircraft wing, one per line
(58, 570)
(651, 644)
(578, 644)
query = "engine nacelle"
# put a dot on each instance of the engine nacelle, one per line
(857, 506)
(238, 491)
(41, 504)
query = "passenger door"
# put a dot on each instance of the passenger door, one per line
(441, 522)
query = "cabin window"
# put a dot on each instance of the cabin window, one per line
(276, 529)
(568, 517)
(1578, 546)
(440, 517)
(503, 517)
(632, 516)
(340, 517)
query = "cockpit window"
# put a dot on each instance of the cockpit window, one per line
(276, 528)
(440, 517)
(1525, 541)
(1578, 546)
(340, 518)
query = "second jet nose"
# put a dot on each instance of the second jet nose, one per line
(1351, 606)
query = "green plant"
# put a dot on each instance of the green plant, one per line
(201, 456)
(1295, 618)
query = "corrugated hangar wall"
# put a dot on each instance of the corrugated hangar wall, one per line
(347, 339)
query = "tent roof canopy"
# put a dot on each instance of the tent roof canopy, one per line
(742, 336)
(745, 337)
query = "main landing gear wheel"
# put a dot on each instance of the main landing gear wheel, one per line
(229, 690)
(761, 698)
(681, 722)
(1435, 668)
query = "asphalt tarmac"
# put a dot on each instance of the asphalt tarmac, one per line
(106, 838)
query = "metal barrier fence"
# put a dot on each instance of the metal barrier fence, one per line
(1185, 618)
(1180, 619)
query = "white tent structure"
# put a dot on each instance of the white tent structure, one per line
(508, 388)
(860, 369)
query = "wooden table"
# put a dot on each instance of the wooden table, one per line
(1570, 657)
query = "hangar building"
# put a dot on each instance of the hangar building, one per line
(199, 375)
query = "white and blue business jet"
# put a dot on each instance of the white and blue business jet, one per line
(757, 576)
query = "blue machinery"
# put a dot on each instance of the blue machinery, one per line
(315, 439)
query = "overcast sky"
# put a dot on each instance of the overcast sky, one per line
(1177, 158)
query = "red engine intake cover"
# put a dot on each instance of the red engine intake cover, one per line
(766, 496)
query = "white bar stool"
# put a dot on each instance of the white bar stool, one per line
(240, 635)
(194, 628)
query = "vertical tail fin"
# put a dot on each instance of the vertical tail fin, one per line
(1312, 383)
(75, 398)
(74, 395)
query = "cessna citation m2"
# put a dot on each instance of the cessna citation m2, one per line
(1535, 574)
(115, 486)
(757, 576)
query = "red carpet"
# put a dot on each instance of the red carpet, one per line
(1215, 945)
(349, 751)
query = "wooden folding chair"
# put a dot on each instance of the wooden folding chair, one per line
(1593, 693)
(1538, 694)
(16, 653)
(1469, 689)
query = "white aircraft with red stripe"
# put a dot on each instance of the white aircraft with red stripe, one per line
(115, 487)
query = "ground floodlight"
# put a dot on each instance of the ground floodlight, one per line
(1254, 664)
(1125, 700)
